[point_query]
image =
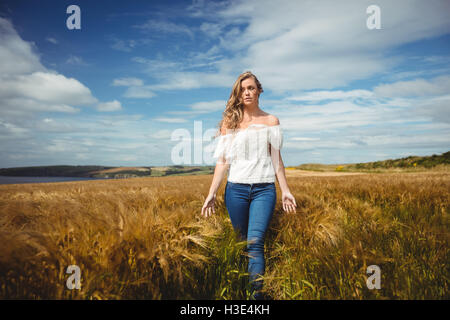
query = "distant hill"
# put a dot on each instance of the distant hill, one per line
(411, 162)
(424, 162)
(408, 162)
(104, 172)
(52, 171)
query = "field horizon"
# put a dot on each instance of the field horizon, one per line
(407, 164)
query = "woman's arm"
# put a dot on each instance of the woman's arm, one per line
(288, 200)
(219, 173)
(280, 172)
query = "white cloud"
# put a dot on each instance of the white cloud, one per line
(48, 125)
(16, 56)
(332, 95)
(127, 82)
(201, 107)
(51, 40)
(136, 88)
(304, 139)
(356, 130)
(46, 87)
(415, 88)
(141, 92)
(163, 134)
(122, 45)
(27, 87)
(109, 106)
(18, 106)
(158, 65)
(156, 27)
(209, 106)
(191, 80)
(75, 60)
(309, 45)
(436, 109)
(10, 129)
(170, 120)
(211, 29)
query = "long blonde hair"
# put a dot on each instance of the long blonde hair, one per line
(234, 112)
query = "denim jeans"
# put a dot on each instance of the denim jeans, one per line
(251, 207)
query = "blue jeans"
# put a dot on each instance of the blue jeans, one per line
(251, 207)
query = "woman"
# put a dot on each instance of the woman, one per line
(249, 148)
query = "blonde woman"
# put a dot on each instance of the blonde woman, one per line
(248, 149)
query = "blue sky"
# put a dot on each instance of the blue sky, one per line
(114, 92)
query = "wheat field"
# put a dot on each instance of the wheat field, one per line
(144, 238)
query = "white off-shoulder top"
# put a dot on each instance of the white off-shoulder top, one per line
(252, 153)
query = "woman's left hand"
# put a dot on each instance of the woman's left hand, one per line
(289, 204)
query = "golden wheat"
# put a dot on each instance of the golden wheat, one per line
(144, 238)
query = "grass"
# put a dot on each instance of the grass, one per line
(144, 238)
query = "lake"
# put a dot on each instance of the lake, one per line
(11, 180)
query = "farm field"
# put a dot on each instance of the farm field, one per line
(144, 238)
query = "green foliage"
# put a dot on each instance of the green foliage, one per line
(407, 162)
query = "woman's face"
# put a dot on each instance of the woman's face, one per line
(249, 91)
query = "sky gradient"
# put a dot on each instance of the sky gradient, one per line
(114, 92)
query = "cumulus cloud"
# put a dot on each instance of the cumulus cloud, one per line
(170, 120)
(75, 60)
(307, 45)
(128, 82)
(159, 26)
(201, 107)
(136, 88)
(109, 106)
(46, 87)
(332, 95)
(436, 109)
(122, 45)
(51, 40)
(191, 80)
(163, 134)
(415, 88)
(16, 56)
(140, 92)
(27, 87)
(209, 106)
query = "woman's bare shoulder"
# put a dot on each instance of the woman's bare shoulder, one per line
(272, 120)
(223, 130)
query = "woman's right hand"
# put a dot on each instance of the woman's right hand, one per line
(208, 206)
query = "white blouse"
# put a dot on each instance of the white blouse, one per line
(252, 153)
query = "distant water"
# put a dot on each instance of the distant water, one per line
(10, 180)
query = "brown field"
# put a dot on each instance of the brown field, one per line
(307, 173)
(160, 168)
(144, 238)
